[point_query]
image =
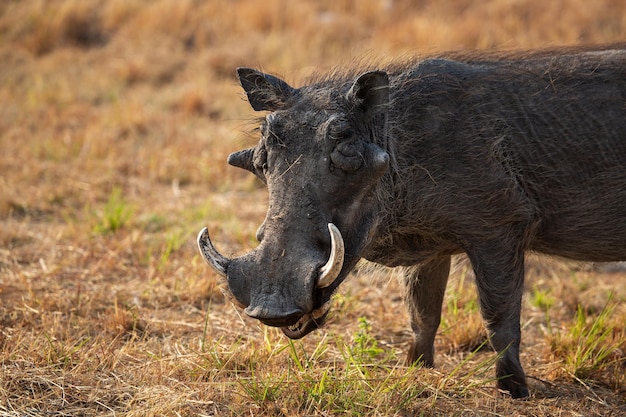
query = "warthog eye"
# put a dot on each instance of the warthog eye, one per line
(344, 135)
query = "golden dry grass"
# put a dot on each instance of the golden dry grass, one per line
(115, 121)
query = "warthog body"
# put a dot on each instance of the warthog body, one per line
(407, 166)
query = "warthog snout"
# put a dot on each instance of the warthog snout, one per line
(267, 289)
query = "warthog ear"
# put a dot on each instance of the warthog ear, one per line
(370, 91)
(265, 92)
(242, 159)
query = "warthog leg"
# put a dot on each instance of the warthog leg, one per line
(499, 267)
(425, 285)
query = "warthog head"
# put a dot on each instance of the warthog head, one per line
(321, 155)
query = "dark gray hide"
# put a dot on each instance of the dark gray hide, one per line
(485, 156)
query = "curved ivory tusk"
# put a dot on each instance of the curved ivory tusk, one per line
(330, 271)
(215, 260)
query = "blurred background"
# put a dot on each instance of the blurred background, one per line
(116, 119)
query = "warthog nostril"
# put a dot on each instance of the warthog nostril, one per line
(275, 317)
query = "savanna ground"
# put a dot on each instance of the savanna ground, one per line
(116, 118)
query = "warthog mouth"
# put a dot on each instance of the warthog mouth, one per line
(327, 282)
(308, 322)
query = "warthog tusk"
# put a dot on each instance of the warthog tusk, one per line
(330, 271)
(212, 257)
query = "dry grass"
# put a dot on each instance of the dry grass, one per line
(115, 123)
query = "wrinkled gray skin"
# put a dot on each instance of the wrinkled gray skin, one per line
(488, 156)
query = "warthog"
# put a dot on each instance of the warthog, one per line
(408, 165)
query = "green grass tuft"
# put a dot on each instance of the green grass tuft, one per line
(590, 344)
(115, 214)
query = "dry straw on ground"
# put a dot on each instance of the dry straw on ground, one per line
(115, 123)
